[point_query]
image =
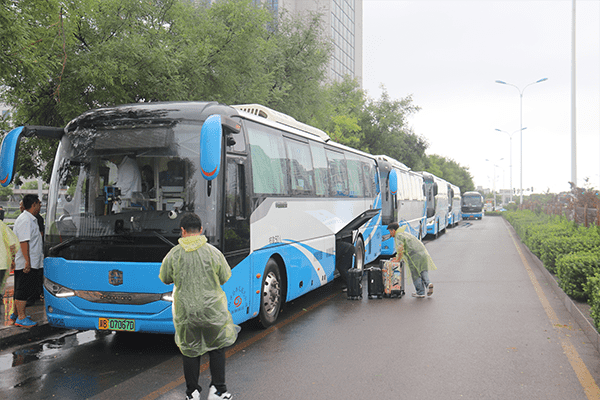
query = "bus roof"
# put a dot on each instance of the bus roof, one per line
(272, 115)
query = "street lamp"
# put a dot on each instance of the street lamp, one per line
(510, 135)
(521, 125)
(494, 190)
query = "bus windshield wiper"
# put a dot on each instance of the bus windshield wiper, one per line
(71, 241)
(164, 239)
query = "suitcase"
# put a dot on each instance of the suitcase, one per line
(393, 278)
(354, 284)
(375, 282)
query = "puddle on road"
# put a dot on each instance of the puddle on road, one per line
(46, 349)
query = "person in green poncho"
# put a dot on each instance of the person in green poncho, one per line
(417, 257)
(203, 324)
(8, 249)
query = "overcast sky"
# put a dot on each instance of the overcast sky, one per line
(448, 55)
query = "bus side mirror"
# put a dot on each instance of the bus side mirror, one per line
(210, 147)
(435, 189)
(393, 182)
(8, 155)
(10, 147)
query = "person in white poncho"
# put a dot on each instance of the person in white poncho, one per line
(203, 324)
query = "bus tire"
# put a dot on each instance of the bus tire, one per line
(270, 295)
(359, 254)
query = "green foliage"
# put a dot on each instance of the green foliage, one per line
(573, 271)
(592, 286)
(60, 59)
(555, 246)
(451, 171)
(6, 192)
(385, 130)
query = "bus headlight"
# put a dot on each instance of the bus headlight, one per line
(167, 296)
(57, 290)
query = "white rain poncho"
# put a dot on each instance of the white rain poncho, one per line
(200, 315)
(414, 252)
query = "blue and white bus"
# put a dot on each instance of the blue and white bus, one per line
(436, 193)
(403, 201)
(283, 203)
(472, 205)
(454, 206)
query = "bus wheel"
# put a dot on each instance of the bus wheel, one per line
(270, 296)
(359, 254)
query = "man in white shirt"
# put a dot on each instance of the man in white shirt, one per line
(129, 179)
(29, 259)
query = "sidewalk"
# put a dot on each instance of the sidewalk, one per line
(11, 335)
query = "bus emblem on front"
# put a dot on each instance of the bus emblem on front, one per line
(115, 277)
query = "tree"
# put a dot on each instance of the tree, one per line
(298, 65)
(341, 112)
(386, 130)
(62, 59)
(450, 171)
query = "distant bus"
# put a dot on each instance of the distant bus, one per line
(403, 201)
(436, 193)
(284, 204)
(454, 206)
(472, 205)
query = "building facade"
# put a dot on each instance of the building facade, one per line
(343, 24)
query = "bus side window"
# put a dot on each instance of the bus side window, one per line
(301, 168)
(338, 175)
(320, 169)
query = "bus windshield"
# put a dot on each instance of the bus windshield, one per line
(474, 201)
(117, 192)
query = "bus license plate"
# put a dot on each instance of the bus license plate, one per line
(116, 324)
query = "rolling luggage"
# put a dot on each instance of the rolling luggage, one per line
(354, 284)
(393, 278)
(375, 283)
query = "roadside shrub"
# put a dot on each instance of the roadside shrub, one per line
(573, 271)
(592, 286)
(558, 244)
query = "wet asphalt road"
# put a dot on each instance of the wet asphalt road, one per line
(492, 330)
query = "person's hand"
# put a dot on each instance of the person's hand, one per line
(27, 267)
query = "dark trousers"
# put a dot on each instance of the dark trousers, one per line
(191, 371)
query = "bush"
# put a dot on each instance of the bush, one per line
(573, 271)
(592, 286)
(557, 244)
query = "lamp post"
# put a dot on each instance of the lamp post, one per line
(510, 135)
(494, 190)
(521, 129)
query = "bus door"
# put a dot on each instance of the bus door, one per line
(236, 233)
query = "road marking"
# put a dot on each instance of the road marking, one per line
(236, 348)
(583, 374)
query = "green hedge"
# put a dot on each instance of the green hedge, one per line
(592, 286)
(574, 270)
(560, 244)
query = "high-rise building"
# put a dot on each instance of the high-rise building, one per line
(343, 24)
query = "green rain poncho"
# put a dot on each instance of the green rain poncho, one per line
(414, 252)
(8, 249)
(202, 321)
